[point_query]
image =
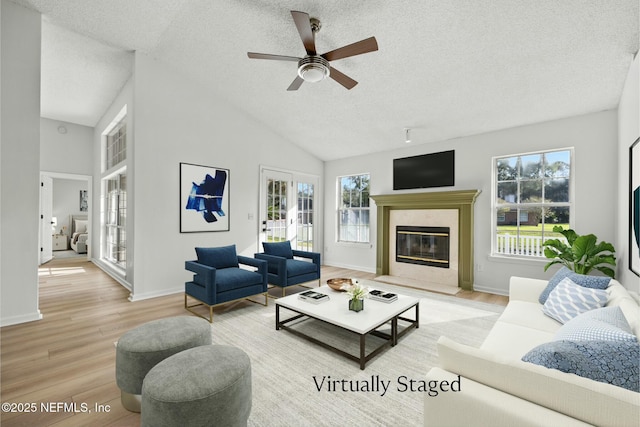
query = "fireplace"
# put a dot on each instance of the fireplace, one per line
(423, 245)
(453, 209)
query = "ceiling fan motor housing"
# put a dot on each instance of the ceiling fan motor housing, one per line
(313, 68)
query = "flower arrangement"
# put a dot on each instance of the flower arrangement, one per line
(356, 293)
(355, 290)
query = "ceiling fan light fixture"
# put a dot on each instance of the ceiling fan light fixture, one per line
(313, 68)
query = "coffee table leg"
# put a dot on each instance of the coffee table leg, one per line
(417, 315)
(362, 357)
(277, 317)
(394, 331)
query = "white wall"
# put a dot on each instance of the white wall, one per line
(174, 120)
(70, 152)
(20, 163)
(628, 132)
(594, 137)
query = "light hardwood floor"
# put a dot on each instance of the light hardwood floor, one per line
(68, 357)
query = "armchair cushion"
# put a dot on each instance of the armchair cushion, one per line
(297, 267)
(282, 249)
(221, 257)
(233, 278)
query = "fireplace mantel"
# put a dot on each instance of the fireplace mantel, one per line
(462, 200)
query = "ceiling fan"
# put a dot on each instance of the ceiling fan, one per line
(313, 67)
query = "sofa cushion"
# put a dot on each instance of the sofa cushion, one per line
(619, 296)
(612, 362)
(529, 315)
(606, 323)
(514, 341)
(220, 257)
(568, 299)
(593, 402)
(282, 249)
(595, 282)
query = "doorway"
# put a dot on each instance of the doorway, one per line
(54, 230)
(288, 209)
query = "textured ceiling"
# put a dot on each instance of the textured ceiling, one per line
(445, 69)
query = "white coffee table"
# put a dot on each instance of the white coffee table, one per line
(336, 312)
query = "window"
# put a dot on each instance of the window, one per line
(115, 220)
(532, 195)
(116, 145)
(113, 236)
(353, 208)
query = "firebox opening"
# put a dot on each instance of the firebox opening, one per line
(423, 245)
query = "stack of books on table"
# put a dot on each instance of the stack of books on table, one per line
(383, 296)
(313, 297)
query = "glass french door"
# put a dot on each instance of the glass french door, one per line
(287, 209)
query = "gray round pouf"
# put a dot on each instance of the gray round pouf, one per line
(140, 349)
(203, 386)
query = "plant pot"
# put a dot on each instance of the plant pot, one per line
(356, 304)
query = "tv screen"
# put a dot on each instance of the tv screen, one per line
(425, 171)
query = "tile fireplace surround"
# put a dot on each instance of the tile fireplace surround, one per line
(462, 201)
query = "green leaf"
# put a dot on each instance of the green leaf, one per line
(580, 253)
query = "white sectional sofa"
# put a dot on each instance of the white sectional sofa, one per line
(498, 389)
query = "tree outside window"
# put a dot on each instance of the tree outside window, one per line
(532, 196)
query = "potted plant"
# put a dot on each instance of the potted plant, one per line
(580, 253)
(356, 293)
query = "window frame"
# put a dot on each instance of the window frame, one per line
(114, 168)
(518, 205)
(340, 210)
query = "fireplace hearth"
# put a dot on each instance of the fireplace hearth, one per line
(423, 245)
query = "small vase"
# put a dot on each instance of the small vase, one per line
(356, 304)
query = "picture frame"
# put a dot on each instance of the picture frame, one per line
(634, 207)
(84, 201)
(204, 198)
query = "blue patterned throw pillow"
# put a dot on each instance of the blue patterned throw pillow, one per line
(595, 282)
(553, 282)
(608, 324)
(611, 362)
(568, 300)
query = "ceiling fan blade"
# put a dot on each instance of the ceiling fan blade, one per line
(357, 48)
(296, 83)
(303, 25)
(341, 78)
(254, 55)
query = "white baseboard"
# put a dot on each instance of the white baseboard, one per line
(490, 290)
(155, 294)
(24, 318)
(112, 273)
(350, 267)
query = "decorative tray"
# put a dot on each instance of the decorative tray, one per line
(337, 283)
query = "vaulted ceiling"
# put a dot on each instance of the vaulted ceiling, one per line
(444, 69)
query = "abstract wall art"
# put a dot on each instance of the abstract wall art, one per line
(204, 198)
(634, 207)
(84, 201)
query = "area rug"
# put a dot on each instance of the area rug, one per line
(298, 383)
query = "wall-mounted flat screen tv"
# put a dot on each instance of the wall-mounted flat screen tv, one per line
(425, 171)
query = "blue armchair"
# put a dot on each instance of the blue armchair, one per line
(284, 270)
(219, 279)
